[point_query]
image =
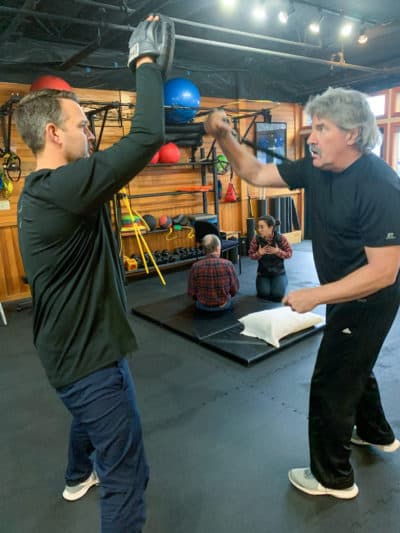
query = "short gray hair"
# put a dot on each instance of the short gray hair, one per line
(35, 111)
(210, 243)
(348, 109)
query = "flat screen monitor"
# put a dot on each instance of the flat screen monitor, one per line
(270, 141)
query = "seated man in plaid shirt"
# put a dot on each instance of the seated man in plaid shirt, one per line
(212, 280)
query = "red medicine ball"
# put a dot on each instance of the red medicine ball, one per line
(154, 160)
(164, 221)
(50, 82)
(169, 153)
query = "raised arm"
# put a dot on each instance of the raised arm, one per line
(244, 163)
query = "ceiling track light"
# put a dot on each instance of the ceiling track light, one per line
(363, 37)
(260, 11)
(315, 26)
(284, 14)
(229, 4)
(346, 29)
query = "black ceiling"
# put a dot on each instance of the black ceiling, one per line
(85, 42)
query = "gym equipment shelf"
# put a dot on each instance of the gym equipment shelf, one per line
(165, 193)
(204, 164)
(141, 272)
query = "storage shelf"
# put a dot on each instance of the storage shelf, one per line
(203, 165)
(167, 193)
(132, 233)
(163, 267)
(202, 162)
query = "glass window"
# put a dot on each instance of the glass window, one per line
(396, 102)
(306, 119)
(396, 149)
(377, 103)
(379, 148)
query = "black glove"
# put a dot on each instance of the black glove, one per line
(157, 39)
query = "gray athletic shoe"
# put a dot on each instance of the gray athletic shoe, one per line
(72, 493)
(388, 448)
(303, 480)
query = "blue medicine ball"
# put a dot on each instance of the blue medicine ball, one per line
(185, 96)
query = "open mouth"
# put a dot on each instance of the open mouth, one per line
(314, 150)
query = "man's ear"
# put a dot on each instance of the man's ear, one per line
(53, 133)
(353, 136)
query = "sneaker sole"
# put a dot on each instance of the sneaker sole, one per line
(71, 497)
(343, 494)
(388, 448)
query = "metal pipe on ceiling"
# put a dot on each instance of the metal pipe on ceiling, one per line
(219, 44)
(326, 10)
(109, 7)
(64, 18)
(279, 54)
(244, 33)
(13, 27)
(341, 13)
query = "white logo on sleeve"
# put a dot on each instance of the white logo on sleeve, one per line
(390, 236)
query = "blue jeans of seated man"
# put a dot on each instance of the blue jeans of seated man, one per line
(106, 421)
(225, 307)
(272, 287)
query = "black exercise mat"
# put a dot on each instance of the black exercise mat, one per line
(218, 331)
(180, 314)
(200, 325)
(163, 310)
(248, 350)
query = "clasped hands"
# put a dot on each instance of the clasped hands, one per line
(268, 250)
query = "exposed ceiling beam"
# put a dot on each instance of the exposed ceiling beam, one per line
(244, 33)
(109, 7)
(86, 51)
(338, 64)
(15, 23)
(110, 26)
(337, 13)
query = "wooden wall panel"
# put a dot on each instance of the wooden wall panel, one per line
(12, 286)
(151, 181)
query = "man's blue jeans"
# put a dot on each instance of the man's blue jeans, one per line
(106, 421)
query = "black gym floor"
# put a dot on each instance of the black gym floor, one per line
(220, 437)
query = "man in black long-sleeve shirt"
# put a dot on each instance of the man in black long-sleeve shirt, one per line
(71, 260)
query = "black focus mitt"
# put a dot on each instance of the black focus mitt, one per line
(153, 38)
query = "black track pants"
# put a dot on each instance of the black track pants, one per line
(344, 391)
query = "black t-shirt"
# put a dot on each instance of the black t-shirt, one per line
(69, 250)
(350, 210)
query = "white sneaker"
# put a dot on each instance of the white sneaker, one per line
(388, 448)
(303, 480)
(74, 492)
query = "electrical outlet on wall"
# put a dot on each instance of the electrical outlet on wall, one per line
(4, 205)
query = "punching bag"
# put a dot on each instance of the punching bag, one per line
(230, 195)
